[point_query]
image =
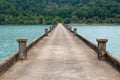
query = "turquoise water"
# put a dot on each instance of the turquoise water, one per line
(111, 32)
(9, 34)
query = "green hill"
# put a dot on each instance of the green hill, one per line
(53, 11)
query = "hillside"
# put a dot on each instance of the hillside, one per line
(53, 11)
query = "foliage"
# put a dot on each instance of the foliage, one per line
(55, 11)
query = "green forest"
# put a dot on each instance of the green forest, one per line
(55, 11)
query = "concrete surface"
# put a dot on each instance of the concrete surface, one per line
(61, 56)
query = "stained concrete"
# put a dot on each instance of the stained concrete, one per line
(61, 56)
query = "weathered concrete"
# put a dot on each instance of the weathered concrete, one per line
(61, 56)
(110, 58)
(75, 31)
(46, 32)
(102, 53)
(22, 48)
(11, 60)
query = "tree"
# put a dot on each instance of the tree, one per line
(54, 11)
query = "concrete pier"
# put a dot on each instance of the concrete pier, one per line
(61, 56)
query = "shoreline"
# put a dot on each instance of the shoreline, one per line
(66, 23)
(94, 24)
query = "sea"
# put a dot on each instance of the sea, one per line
(10, 33)
(110, 32)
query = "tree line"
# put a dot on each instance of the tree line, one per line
(64, 11)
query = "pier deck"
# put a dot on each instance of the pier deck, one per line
(61, 56)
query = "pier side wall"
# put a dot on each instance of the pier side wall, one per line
(11, 60)
(110, 58)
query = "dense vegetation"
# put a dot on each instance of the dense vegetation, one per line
(54, 11)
